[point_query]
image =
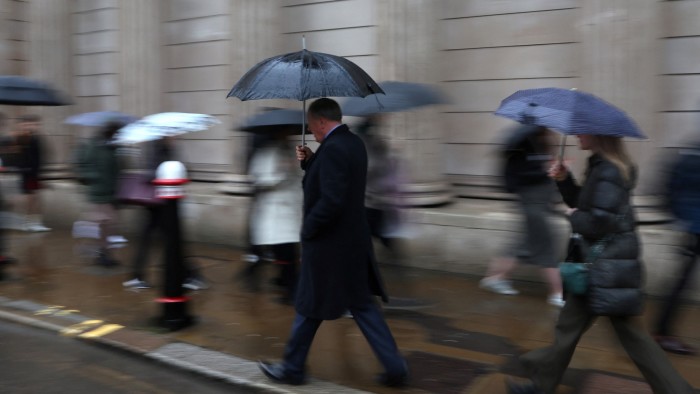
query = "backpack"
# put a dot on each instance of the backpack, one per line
(82, 162)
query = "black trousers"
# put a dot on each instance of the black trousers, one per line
(373, 327)
(150, 227)
(669, 307)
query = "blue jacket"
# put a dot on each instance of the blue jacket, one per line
(684, 188)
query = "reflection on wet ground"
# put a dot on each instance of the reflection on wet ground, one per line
(465, 342)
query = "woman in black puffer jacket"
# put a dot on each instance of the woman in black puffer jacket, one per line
(601, 210)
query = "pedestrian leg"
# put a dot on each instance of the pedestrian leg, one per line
(377, 333)
(669, 307)
(547, 365)
(649, 357)
(298, 346)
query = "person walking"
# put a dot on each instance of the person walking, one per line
(683, 194)
(30, 160)
(101, 172)
(338, 270)
(153, 153)
(527, 153)
(6, 149)
(276, 218)
(600, 209)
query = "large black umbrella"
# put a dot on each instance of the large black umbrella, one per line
(274, 120)
(304, 75)
(16, 90)
(398, 96)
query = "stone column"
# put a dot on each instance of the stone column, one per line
(5, 43)
(255, 28)
(620, 54)
(50, 60)
(140, 46)
(409, 51)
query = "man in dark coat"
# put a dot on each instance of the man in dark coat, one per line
(338, 270)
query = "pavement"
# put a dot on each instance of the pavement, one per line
(461, 340)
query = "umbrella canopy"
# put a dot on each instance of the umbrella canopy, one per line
(16, 90)
(569, 112)
(274, 120)
(304, 75)
(100, 118)
(165, 124)
(398, 96)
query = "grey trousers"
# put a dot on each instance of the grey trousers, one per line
(546, 366)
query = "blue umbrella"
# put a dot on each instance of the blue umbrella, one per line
(17, 90)
(398, 96)
(100, 118)
(569, 112)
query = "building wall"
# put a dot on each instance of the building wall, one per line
(490, 50)
(680, 74)
(145, 56)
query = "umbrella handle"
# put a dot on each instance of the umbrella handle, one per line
(303, 124)
(562, 147)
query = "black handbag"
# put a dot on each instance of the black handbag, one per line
(575, 270)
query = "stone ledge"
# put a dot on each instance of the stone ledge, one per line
(460, 237)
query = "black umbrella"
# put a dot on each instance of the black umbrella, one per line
(16, 90)
(275, 120)
(398, 96)
(304, 75)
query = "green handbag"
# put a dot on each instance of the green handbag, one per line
(575, 274)
(574, 277)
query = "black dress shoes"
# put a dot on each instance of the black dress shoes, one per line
(674, 345)
(527, 388)
(277, 374)
(392, 380)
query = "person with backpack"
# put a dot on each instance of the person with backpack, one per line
(526, 156)
(683, 197)
(100, 171)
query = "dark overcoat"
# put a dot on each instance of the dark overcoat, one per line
(338, 269)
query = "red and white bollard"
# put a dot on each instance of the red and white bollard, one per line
(170, 179)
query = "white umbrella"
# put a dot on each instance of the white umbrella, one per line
(165, 124)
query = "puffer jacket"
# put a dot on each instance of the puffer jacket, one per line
(604, 213)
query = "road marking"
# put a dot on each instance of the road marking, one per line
(66, 312)
(104, 330)
(49, 310)
(81, 327)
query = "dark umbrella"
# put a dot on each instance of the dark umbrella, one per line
(16, 90)
(569, 112)
(274, 120)
(303, 75)
(398, 96)
(100, 118)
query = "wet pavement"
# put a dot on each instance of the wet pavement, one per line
(465, 341)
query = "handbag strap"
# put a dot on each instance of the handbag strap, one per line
(598, 247)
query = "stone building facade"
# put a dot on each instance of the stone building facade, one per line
(147, 56)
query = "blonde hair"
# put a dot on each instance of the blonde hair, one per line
(613, 149)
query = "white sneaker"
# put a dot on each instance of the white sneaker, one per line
(116, 239)
(556, 300)
(36, 228)
(498, 286)
(195, 284)
(136, 283)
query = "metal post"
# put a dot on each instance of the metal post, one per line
(170, 179)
